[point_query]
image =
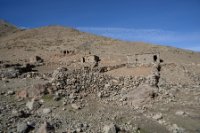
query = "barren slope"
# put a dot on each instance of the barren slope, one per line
(44, 77)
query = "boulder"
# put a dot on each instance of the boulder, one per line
(36, 59)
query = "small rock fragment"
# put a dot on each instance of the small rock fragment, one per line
(180, 112)
(33, 104)
(22, 127)
(10, 92)
(75, 106)
(46, 110)
(109, 128)
(43, 128)
(22, 94)
(157, 116)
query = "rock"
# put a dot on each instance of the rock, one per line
(99, 94)
(33, 104)
(90, 60)
(34, 91)
(46, 128)
(56, 98)
(109, 129)
(59, 73)
(9, 73)
(20, 114)
(157, 116)
(22, 128)
(75, 106)
(64, 102)
(10, 92)
(46, 110)
(180, 112)
(43, 128)
(22, 94)
(38, 90)
(31, 124)
(107, 86)
(36, 59)
(78, 130)
(175, 129)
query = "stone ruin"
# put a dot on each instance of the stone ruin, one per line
(90, 60)
(143, 59)
(67, 52)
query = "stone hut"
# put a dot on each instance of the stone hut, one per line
(143, 59)
(90, 60)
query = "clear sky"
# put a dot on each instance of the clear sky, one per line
(168, 22)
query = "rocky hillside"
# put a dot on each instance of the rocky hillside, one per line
(58, 79)
(6, 28)
(48, 37)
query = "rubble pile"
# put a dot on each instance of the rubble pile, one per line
(14, 70)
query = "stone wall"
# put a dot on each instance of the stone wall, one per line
(90, 60)
(146, 58)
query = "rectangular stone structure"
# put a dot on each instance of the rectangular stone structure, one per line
(145, 58)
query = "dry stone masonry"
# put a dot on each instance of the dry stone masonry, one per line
(143, 59)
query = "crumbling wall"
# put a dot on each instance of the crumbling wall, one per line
(90, 60)
(146, 58)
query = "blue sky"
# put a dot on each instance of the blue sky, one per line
(167, 22)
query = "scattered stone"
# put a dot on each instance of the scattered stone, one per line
(175, 129)
(22, 94)
(2, 93)
(56, 98)
(157, 116)
(20, 114)
(31, 124)
(75, 106)
(36, 59)
(38, 90)
(59, 73)
(43, 128)
(47, 110)
(11, 92)
(180, 112)
(109, 128)
(64, 102)
(100, 95)
(10, 73)
(33, 104)
(22, 128)
(78, 130)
